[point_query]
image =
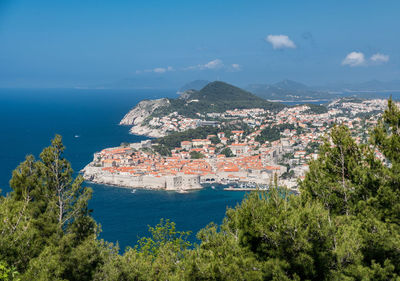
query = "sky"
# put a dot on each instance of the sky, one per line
(164, 44)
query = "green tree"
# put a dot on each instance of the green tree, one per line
(386, 140)
(196, 155)
(296, 239)
(339, 177)
(227, 152)
(68, 198)
(7, 273)
(215, 140)
(159, 257)
(46, 221)
(361, 194)
(220, 257)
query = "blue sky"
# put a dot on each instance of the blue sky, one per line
(167, 43)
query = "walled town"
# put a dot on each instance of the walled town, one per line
(275, 148)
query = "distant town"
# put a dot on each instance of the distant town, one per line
(266, 147)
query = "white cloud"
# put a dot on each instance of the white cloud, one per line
(159, 70)
(280, 41)
(235, 67)
(214, 64)
(354, 59)
(379, 58)
(211, 65)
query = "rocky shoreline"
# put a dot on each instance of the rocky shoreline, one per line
(137, 115)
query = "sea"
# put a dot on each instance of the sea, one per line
(88, 122)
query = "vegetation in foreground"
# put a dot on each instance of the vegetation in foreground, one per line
(345, 225)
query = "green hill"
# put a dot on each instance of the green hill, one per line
(220, 91)
(216, 97)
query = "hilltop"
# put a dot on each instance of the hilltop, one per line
(216, 96)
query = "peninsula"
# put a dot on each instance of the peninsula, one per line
(161, 117)
(251, 143)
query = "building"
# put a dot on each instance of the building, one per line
(239, 148)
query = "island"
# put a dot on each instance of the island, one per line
(223, 135)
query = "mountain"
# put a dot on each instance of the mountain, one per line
(194, 85)
(217, 96)
(287, 90)
(290, 85)
(214, 97)
(368, 86)
(219, 91)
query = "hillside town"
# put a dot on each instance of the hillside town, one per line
(274, 148)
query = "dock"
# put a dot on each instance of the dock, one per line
(244, 189)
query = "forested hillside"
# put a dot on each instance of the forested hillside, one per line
(344, 225)
(215, 97)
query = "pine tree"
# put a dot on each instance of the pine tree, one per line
(47, 221)
(340, 177)
(386, 139)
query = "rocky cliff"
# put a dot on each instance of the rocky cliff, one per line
(142, 110)
(139, 113)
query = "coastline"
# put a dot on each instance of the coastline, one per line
(173, 183)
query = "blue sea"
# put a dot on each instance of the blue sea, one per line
(30, 118)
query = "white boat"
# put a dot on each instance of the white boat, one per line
(133, 191)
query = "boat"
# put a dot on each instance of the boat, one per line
(133, 191)
(213, 187)
(76, 136)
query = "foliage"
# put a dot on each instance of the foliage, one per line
(174, 140)
(162, 149)
(278, 228)
(159, 257)
(46, 220)
(287, 175)
(316, 108)
(215, 140)
(312, 147)
(273, 133)
(7, 273)
(165, 144)
(215, 97)
(196, 155)
(361, 194)
(227, 152)
(268, 134)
